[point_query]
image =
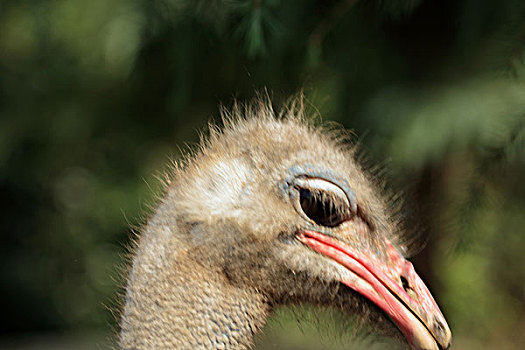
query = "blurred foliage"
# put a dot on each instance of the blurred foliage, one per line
(95, 95)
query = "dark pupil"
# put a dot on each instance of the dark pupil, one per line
(319, 209)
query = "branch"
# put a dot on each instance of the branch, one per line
(328, 23)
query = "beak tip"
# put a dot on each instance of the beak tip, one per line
(443, 332)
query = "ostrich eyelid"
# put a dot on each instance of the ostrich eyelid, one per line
(322, 185)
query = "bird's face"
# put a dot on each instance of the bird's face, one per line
(346, 245)
(298, 221)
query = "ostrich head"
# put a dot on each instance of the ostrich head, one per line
(279, 210)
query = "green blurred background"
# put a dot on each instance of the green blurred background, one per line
(96, 97)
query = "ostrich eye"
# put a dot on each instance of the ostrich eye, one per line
(323, 207)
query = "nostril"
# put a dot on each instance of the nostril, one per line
(407, 288)
(405, 284)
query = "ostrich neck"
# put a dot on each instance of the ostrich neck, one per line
(174, 302)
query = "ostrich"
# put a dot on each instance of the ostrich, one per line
(270, 211)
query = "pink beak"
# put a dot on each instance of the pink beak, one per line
(394, 286)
